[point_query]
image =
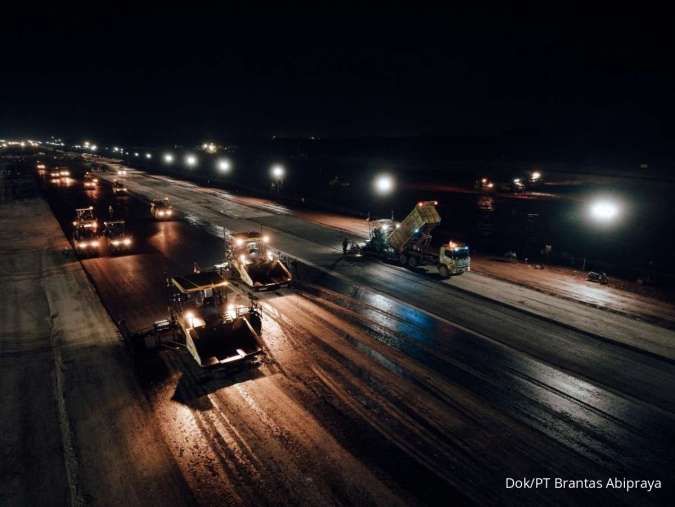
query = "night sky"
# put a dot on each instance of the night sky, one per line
(169, 76)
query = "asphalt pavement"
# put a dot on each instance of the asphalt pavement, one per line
(383, 386)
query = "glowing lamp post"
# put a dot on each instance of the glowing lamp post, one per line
(224, 165)
(384, 184)
(278, 174)
(604, 211)
(191, 160)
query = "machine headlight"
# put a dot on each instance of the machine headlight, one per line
(127, 241)
(115, 242)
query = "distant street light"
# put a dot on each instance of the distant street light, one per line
(384, 184)
(224, 165)
(604, 211)
(147, 155)
(168, 158)
(191, 160)
(278, 172)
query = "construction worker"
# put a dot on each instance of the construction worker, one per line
(111, 211)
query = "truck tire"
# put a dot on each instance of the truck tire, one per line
(403, 260)
(444, 271)
(412, 261)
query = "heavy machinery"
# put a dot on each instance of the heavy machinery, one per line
(161, 209)
(90, 182)
(409, 243)
(55, 176)
(86, 240)
(85, 217)
(119, 188)
(217, 333)
(114, 231)
(249, 258)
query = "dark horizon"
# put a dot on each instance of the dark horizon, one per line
(557, 78)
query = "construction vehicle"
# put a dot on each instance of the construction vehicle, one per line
(90, 181)
(249, 258)
(204, 321)
(119, 188)
(55, 176)
(114, 231)
(85, 217)
(408, 243)
(161, 209)
(86, 240)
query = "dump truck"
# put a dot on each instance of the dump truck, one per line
(204, 321)
(117, 238)
(161, 209)
(408, 243)
(249, 258)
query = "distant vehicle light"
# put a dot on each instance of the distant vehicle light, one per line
(147, 155)
(127, 241)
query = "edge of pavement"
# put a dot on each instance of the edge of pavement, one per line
(110, 451)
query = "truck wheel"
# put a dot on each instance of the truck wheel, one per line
(412, 261)
(444, 271)
(403, 260)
